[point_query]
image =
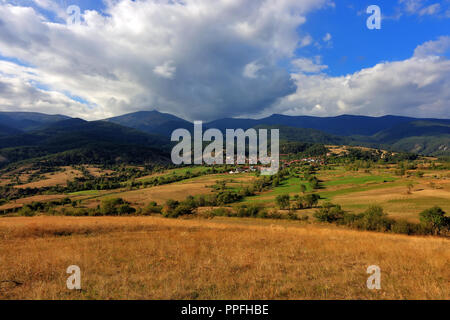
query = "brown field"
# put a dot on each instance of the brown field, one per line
(156, 258)
(20, 202)
(54, 179)
(176, 191)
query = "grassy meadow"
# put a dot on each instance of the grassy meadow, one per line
(156, 258)
(216, 257)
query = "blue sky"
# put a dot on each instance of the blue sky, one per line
(355, 46)
(206, 59)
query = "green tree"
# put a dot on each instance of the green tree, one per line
(302, 188)
(434, 218)
(283, 201)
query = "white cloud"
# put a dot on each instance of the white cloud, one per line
(166, 70)
(185, 58)
(306, 65)
(419, 86)
(327, 37)
(306, 41)
(430, 10)
(251, 70)
(436, 47)
(420, 8)
(202, 59)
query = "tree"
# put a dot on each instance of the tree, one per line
(314, 182)
(283, 201)
(302, 188)
(329, 213)
(435, 219)
(109, 206)
(375, 219)
(409, 187)
(311, 200)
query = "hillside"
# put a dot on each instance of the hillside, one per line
(151, 122)
(345, 125)
(306, 135)
(395, 133)
(429, 137)
(76, 140)
(27, 121)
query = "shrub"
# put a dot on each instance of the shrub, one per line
(302, 188)
(152, 207)
(125, 209)
(182, 210)
(404, 227)
(26, 211)
(109, 206)
(374, 219)
(220, 212)
(251, 210)
(435, 219)
(329, 213)
(283, 201)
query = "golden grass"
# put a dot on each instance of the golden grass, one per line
(397, 202)
(54, 179)
(176, 191)
(156, 258)
(20, 202)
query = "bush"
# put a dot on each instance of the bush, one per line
(220, 212)
(125, 209)
(435, 219)
(374, 219)
(404, 227)
(151, 208)
(283, 201)
(182, 210)
(108, 207)
(251, 210)
(329, 213)
(26, 211)
(174, 209)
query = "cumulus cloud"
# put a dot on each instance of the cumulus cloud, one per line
(200, 59)
(434, 47)
(192, 58)
(166, 70)
(306, 65)
(430, 10)
(251, 70)
(418, 86)
(21, 91)
(421, 8)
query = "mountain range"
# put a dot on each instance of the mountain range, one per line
(142, 135)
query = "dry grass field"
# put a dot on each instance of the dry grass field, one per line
(157, 258)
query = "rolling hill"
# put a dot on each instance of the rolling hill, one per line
(54, 134)
(151, 122)
(76, 141)
(28, 121)
(345, 125)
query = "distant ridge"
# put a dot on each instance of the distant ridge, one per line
(151, 122)
(396, 133)
(27, 121)
(345, 125)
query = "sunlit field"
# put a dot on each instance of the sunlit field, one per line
(156, 258)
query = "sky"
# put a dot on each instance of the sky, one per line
(210, 59)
